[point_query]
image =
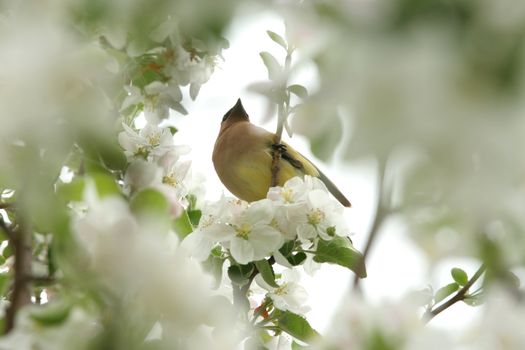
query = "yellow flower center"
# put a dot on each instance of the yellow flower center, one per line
(287, 195)
(282, 290)
(154, 139)
(207, 221)
(170, 180)
(315, 217)
(243, 231)
(141, 152)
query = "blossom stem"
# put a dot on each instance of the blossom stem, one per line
(460, 295)
(381, 213)
(20, 240)
(282, 115)
(6, 205)
(277, 151)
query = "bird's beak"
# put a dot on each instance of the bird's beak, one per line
(238, 109)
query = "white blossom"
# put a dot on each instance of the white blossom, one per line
(160, 97)
(289, 295)
(144, 265)
(322, 217)
(246, 231)
(151, 142)
(213, 220)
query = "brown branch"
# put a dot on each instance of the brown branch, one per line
(20, 240)
(380, 214)
(282, 115)
(5, 228)
(277, 148)
(460, 295)
(6, 205)
(239, 293)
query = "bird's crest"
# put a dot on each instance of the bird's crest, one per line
(236, 113)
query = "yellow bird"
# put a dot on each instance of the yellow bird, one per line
(242, 157)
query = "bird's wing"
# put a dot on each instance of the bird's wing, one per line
(298, 161)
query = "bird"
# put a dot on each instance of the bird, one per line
(243, 153)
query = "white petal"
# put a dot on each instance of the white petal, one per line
(241, 250)
(281, 260)
(259, 211)
(291, 275)
(155, 87)
(265, 240)
(197, 245)
(219, 232)
(306, 231)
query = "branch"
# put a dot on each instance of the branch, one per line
(5, 228)
(380, 214)
(282, 115)
(240, 293)
(20, 240)
(6, 205)
(277, 149)
(460, 295)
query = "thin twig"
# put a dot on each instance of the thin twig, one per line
(276, 150)
(281, 120)
(380, 214)
(6, 205)
(20, 240)
(239, 293)
(460, 295)
(7, 230)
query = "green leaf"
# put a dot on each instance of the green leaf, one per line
(72, 191)
(195, 217)
(278, 39)
(4, 283)
(112, 156)
(287, 251)
(214, 265)
(287, 248)
(474, 300)
(339, 251)
(274, 68)
(240, 274)
(105, 185)
(297, 346)
(298, 90)
(182, 225)
(149, 201)
(194, 90)
(271, 90)
(173, 130)
(445, 291)
(51, 263)
(266, 271)
(297, 326)
(176, 106)
(52, 313)
(459, 276)
(296, 259)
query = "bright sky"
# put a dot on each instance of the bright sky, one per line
(395, 266)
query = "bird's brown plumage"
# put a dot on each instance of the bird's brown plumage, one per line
(242, 157)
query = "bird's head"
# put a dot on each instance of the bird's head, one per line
(234, 115)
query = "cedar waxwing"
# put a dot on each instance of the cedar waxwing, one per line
(242, 157)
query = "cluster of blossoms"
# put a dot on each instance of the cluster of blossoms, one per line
(301, 210)
(163, 69)
(155, 162)
(302, 213)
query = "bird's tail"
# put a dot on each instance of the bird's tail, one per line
(334, 190)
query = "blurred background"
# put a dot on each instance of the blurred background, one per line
(414, 109)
